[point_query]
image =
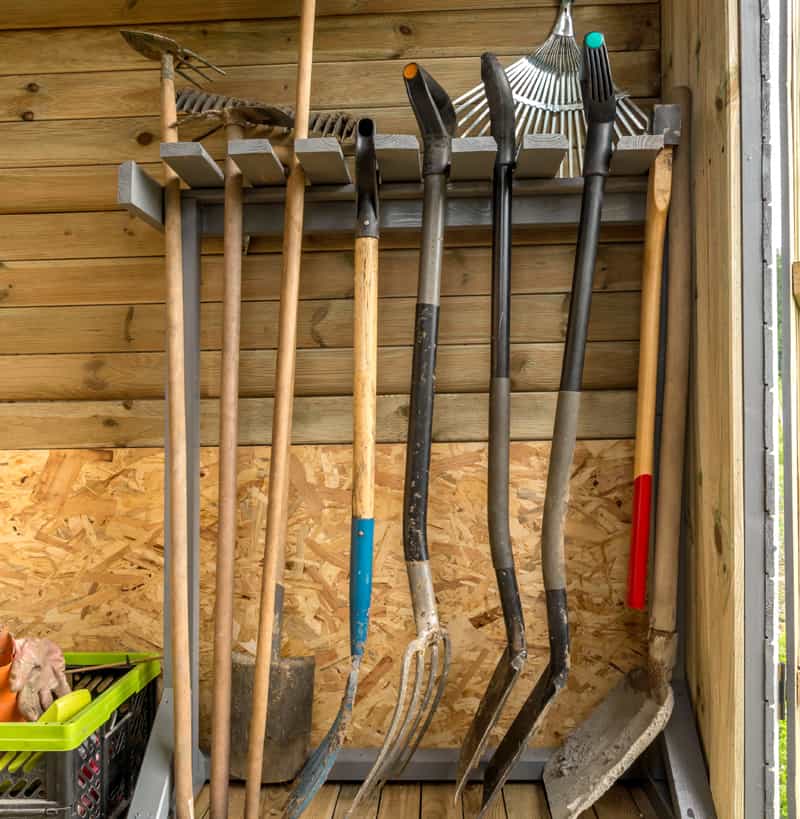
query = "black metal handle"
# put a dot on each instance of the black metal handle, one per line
(435, 115)
(501, 107)
(367, 200)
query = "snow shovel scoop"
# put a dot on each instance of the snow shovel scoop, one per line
(512, 661)
(600, 105)
(600, 750)
(365, 351)
(429, 652)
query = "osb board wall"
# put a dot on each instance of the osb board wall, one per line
(701, 50)
(83, 556)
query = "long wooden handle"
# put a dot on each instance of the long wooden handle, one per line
(365, 376)
(278, 493)
(658, 198)
(228, 441)
(177, 457)
(676, 387)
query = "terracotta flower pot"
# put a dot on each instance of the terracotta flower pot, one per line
(8, 699)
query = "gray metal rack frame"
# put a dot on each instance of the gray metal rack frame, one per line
(674, 768)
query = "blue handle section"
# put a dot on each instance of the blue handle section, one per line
(362, 535)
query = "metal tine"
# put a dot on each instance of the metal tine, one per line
(193, 55)
(374, 777)
(186, 77)
(434, 704)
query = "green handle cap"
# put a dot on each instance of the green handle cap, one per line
(594, 39)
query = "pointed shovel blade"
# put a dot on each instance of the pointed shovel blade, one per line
(602, 748)
(505, 676)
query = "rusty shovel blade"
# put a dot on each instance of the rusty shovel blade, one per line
(603, 747)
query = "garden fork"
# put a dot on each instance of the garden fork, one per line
(155, 46)
(429, 653)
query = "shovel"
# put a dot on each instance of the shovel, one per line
(365, 354)
(600, 106)
(600, 750)
(512, 661)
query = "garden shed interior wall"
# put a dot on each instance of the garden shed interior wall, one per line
(82, 375)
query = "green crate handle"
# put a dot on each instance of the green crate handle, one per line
(64, 736)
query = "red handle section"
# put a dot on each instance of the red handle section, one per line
(640, 541)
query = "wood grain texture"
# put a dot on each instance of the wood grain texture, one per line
(322, 324)
(438, 801)
(702, 49)
(85, 541)
(409, 35)
(326, 275)
(19, 14)
(86, 95)
(458, 417)
(610, 365)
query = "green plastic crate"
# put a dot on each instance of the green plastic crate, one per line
(89, 763)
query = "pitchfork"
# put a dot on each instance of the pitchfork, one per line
(429, 653)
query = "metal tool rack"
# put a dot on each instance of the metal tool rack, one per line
(675, 767)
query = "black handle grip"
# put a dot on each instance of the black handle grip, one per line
(501, 107)
(435, 116)
(600, 104)
(367, 202)
(420, 429)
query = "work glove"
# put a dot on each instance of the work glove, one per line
(38, 676)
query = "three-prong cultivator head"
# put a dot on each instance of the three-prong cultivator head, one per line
(156, 46)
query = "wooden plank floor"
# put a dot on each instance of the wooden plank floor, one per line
(435, 801)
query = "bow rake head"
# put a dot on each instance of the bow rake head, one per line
(155, 46)
(427, 660)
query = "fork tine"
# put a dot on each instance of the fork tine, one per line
(412, 746)
(368, 785)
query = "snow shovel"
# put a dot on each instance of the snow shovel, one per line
(429, 652)
(600, 750)
(365, 352)
(175, 59)
(512, 661)
(600, 106)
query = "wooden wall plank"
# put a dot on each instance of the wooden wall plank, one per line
(93, 95)
(47, 143)
(109, 235)
(415, 35)
(321, 323)
(326, 275)
(18, 14)
(702, 50)
(97, 424)
(610, 365)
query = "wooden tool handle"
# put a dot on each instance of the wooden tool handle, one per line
(278, 492)
(228, 506)
(676, 385)
(365, 352)
(658, 198)
(177, 457)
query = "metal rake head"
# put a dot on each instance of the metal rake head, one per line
(429, 654)
(155, 46)
(547, 97)
(201, 105)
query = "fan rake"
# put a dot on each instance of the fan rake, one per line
(547, 97)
